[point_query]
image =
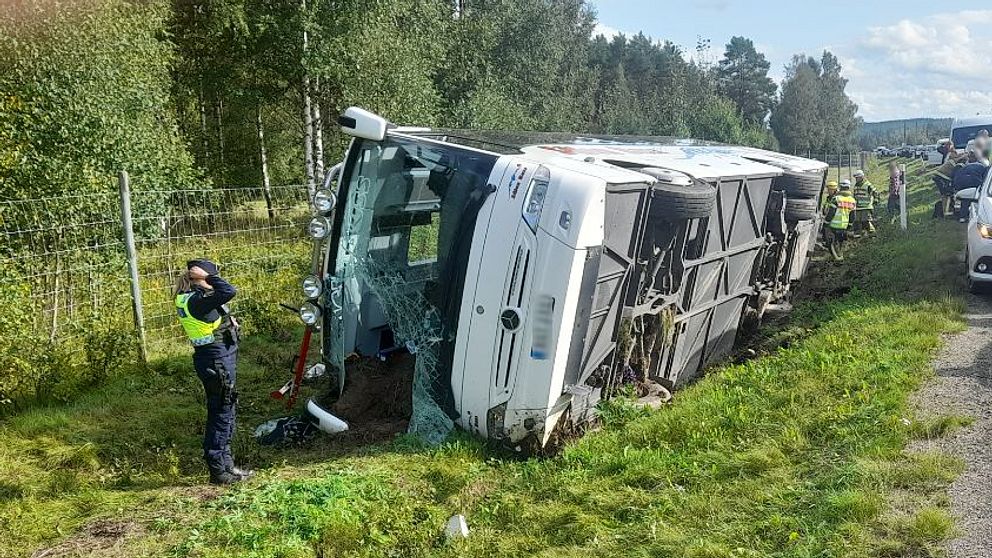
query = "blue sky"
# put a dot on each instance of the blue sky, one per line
(903, 58)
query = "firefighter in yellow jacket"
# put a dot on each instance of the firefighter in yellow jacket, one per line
(866, 196)
(839, 209)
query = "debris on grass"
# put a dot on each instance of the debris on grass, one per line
(99, 535)
(456, 528)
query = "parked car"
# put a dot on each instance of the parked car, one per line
(931, 157)
(529, 276)
(978, 249)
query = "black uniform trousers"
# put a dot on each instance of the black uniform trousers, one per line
(216, 365)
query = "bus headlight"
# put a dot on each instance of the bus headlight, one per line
(312, 287)
(537, 191)
(324, 201)
(309, 313)
(319, 228)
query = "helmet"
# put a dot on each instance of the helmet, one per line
(832, 184)
(845, 183)
(859, 173)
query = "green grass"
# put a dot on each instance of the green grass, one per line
(796, 453)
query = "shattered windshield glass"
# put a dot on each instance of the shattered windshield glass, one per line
(400, 252)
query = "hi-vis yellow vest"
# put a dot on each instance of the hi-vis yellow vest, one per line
(200, 333)
(844, 203)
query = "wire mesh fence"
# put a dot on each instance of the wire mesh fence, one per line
(62, 260)
(842, 163)
(64, 265)
(257, 237)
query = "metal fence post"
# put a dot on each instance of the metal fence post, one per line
(132, 263)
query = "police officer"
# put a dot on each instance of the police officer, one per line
(839, 209)
(201, 303)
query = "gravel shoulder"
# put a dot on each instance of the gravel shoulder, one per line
(963, 386)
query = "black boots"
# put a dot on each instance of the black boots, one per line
(224, 477)
(231, 476)
(242, 474)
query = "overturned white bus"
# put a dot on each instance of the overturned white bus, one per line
(527, 276)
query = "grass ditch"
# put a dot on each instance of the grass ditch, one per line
(799, 452)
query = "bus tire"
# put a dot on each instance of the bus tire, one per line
(672, 202)
(800, 185)
(800, 209)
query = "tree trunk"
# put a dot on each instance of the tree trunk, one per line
(307, 120)
(56, 291)
(220, 141)
(203, 128)
(266, 189)
(318, 135)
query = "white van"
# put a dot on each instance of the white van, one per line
(965, 129)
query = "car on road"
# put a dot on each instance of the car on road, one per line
(931, 156)
(978, 251)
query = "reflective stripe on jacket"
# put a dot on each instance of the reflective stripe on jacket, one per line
(199, 332)
(865, 195)
(843, 204)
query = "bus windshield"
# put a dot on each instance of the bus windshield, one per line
(399, 253)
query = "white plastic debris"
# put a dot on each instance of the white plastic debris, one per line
(315, 371)
(457, 527)
(267, 427)
(326, 421)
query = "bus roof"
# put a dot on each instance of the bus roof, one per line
(702, 159)
(980, 120)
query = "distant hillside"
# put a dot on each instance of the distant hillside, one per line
(911, 131)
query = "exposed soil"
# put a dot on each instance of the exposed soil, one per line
(93, 540)
(964, 386)
(378, 397)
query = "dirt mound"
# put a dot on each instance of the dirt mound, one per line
(378, 396)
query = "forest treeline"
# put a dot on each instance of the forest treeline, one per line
(190, 92)
(912, 131)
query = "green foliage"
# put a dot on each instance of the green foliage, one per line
(742, 75)
(513, 65)
(938, 427)
(382, 56)
(814, 112)
(85, 89)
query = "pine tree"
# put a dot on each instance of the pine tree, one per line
(742, 76)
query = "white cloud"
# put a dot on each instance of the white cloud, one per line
(607, 31)
(933, 66)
